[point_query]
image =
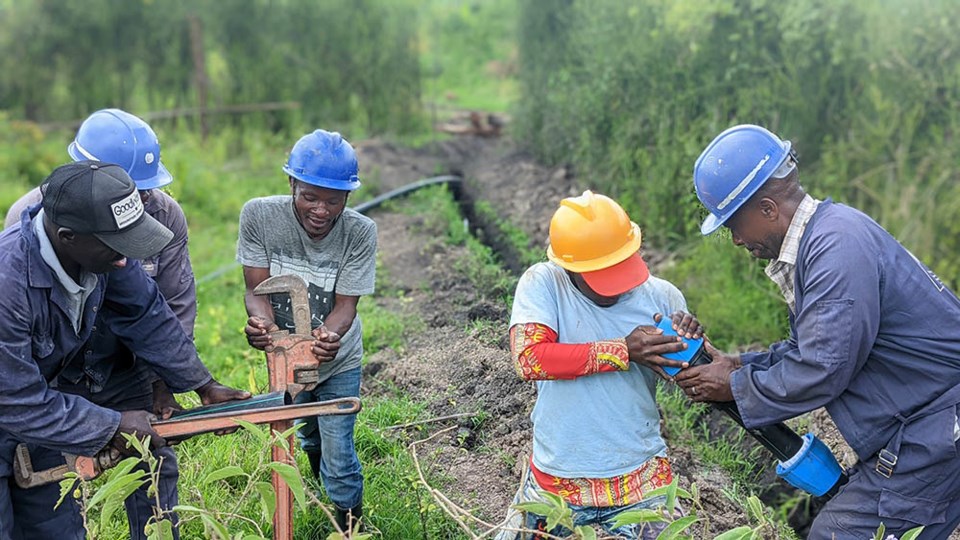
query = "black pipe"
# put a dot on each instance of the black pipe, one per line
(366, 206)
(262, 401)
(779, 439)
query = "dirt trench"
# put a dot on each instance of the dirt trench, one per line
(456, 370)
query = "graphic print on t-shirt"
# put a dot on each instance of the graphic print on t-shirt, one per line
(321, 278)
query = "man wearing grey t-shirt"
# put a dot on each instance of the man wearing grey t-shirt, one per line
(311, 234)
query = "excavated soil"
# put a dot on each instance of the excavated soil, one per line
(458, 362)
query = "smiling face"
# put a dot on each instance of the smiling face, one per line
(317, 208)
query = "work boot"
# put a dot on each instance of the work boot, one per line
(314, 459)
(347, 519)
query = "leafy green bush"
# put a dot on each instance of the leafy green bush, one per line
(630, 93)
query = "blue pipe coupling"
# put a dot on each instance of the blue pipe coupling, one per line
(813, 469)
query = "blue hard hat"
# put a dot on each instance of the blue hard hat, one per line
(324, 159)
(732, 169)
(115, 136)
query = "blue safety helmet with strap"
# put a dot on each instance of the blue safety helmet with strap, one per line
(115, 136)
(324, 159)
(733, 167)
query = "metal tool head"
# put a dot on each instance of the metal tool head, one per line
(296, 287)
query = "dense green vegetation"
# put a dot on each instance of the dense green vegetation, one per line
(340, 61)
(867, 90)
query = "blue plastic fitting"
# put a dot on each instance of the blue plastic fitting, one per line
(693, 345)
(813, 469)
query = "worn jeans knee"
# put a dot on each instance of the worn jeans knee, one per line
(340, 469)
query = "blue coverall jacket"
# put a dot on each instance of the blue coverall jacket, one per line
(37, 341)
(876, 340)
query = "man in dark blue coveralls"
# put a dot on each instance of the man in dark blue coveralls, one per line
(109, 375)
(66, 271)
(875, 338)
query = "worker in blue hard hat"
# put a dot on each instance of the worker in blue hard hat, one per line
(312, 234)
(868, 340)
(109, 375)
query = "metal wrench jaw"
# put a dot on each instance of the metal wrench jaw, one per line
(296, 287)
(291, 364)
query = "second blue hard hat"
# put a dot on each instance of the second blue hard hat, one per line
(733, 167)
(116, 136)
(324, 159)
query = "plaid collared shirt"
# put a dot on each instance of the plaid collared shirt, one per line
(781, 269)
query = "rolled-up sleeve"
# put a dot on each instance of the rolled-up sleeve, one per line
(835, 327)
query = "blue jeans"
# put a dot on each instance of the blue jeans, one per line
(582, 515)
(332, 435)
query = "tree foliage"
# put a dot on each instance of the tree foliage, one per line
(344, 61)
(868, 91)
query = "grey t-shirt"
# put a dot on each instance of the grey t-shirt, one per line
(343, 262)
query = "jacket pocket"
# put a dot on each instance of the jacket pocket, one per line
(911, 509)
(927, 444)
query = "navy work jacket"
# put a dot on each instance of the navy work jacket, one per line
(874, 339)
(37, 340)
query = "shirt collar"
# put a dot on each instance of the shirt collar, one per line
(791, 242)
(49, 256)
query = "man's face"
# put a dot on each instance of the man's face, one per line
(91, 254)
(317, 208)
(752, 231)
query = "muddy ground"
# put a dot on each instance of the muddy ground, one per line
(458, 370)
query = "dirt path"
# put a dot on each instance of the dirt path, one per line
(456, 371)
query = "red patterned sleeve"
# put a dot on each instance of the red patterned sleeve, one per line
(537, 356)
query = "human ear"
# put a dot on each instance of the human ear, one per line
(769, 209)
(66, 235)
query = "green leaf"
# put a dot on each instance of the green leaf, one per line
(671, 495)
(740, 533)
(756, 508)
(912, 534)
(188, 508)
(213, 526)
(261, 433)
(116, 484)
(290, 431)
(291, 476)
(66, 486)
(644, 515)
(675, 529)
(226, 472)
(665, 490)
(268, 499)
(123, 488)
(538, 508)
(160, 530)
(586, 532)
(880, 532)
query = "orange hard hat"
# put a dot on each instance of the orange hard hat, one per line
(592, 235)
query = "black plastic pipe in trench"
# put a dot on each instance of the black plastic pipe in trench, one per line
(365, 207)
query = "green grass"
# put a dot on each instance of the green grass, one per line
(468, 54)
